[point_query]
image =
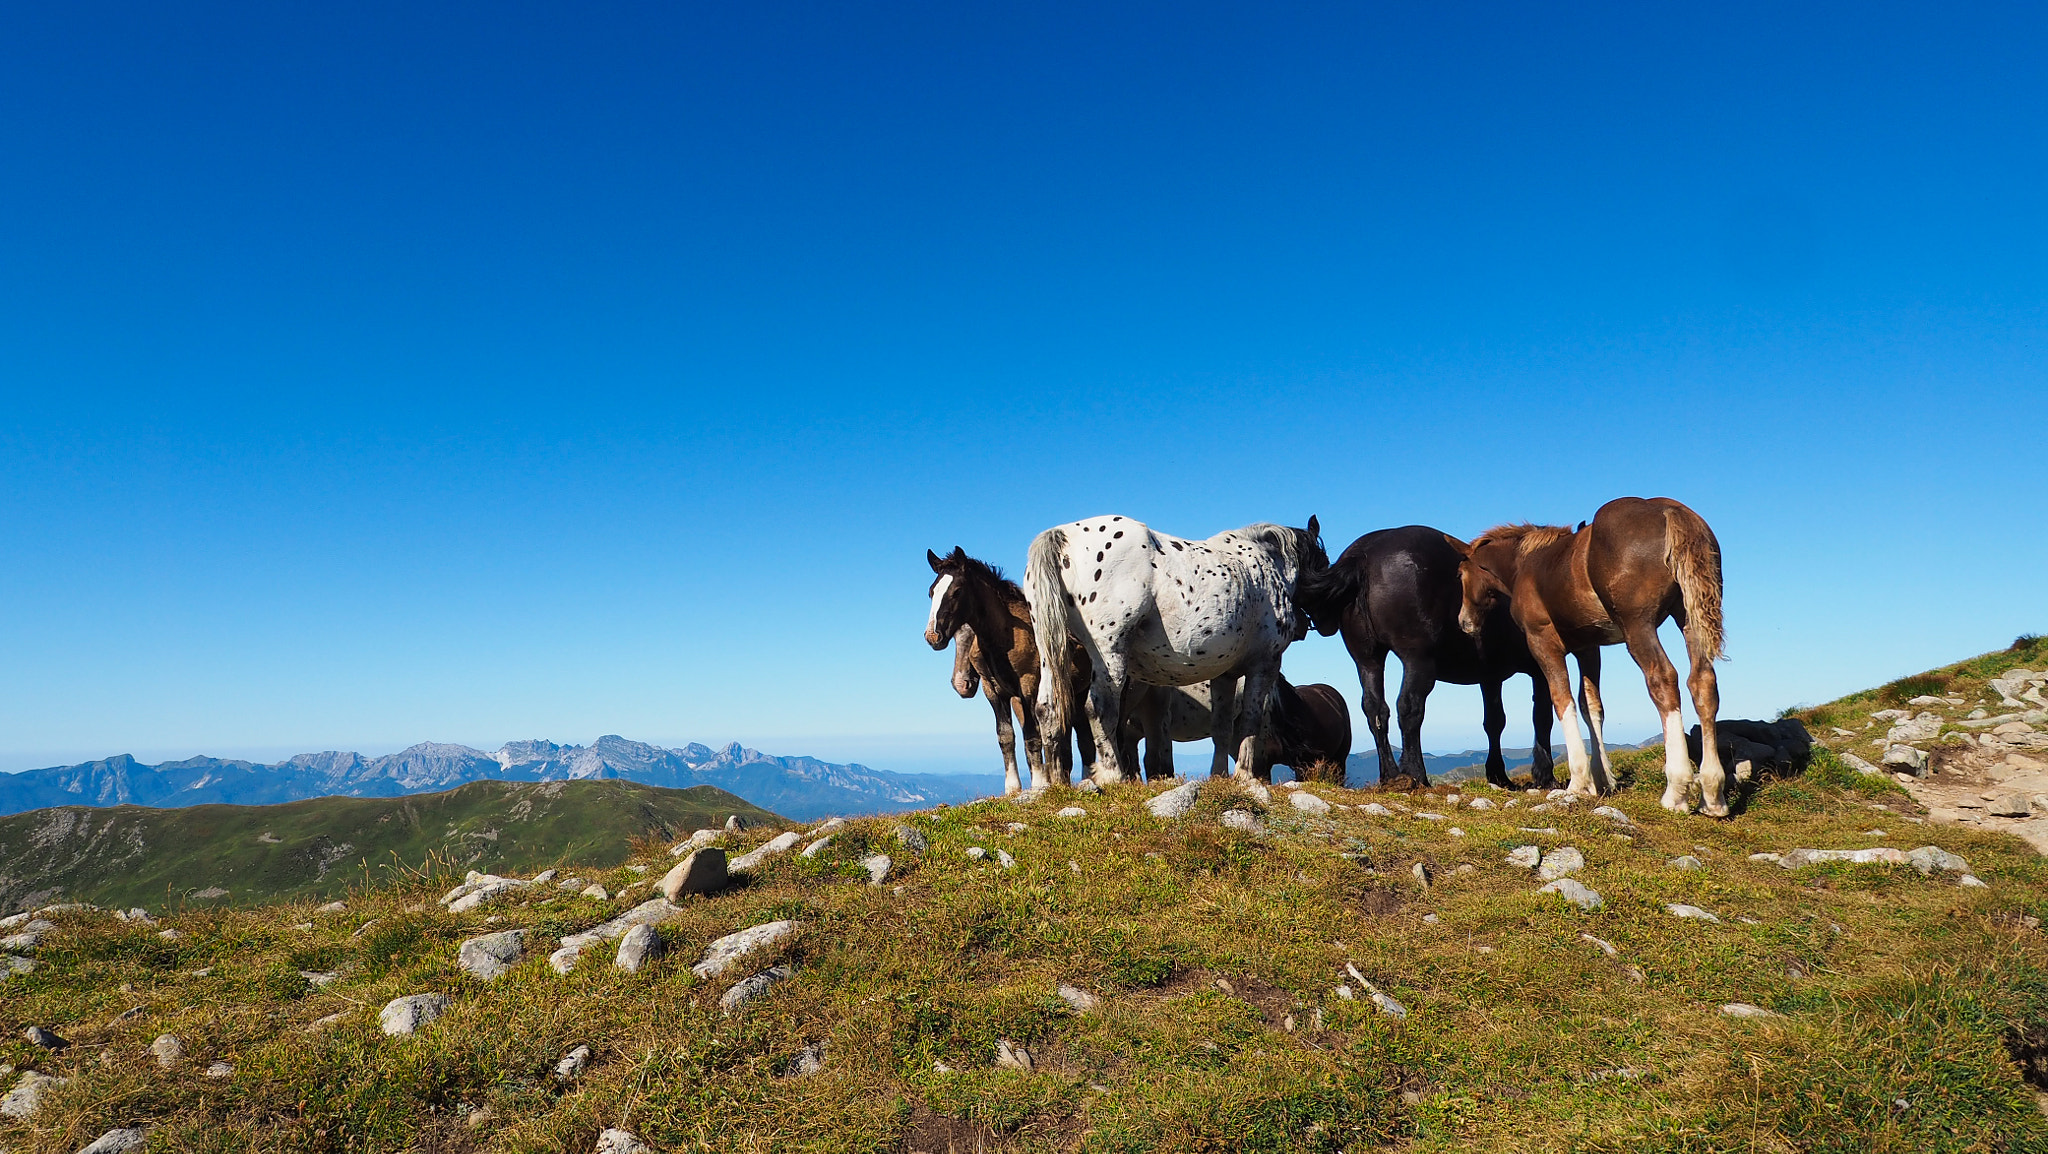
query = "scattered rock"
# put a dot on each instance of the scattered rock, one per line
(732, 823)
(1175, 802)
(725, 953)
(976, 853)
(27, 1094)
(1016, 827)
(1011, 1056)
(2009, 805)
(220, 1070)
(1606, 947)
(491, 955)
(703, 872)
(1906, 758)
(748, 989)
(1422, 816)
(320, 978)
(1375, 809)
(816, 847)
(47, 1039)
(1243, 820)
(116, 1142)
(596, 892)
(911, 839)
(1686, 862)
(169, 935)
(1069, 811)
(571, 1066)
(1765, 857)
(13, 967)
(1574, 892)
(478, 888)
(342, 907)
(406, 1015)
(877, 866)
(1877, 856)
(617, 1141)
(1081, 1000)
(652, 912)
(809, 1060)
(775, 847)
(1088, 785)
(1481, 803)
(1680, 909)
(1928, 859)
(637, 947)
(1005, 860)
(1612, 814)
(1745, 1010)
(1859, 765)
(1420, 872)
(696, 841)
(1561, 862)
(1525, 856)
(829, 825)
(167, 1050)
(1972, 881)
(1308, 803)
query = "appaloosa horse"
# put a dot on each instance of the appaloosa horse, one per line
(1307, 728)
(1614, 581)
(987, 620)
(1396, 590)
(1167, 611)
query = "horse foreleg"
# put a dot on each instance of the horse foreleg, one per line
(1549, 654)
(1662, 682)
(1034, 743)
(1496, 720)
(1006, 737)
(1372, 701)
(1706, 701)
(1542, 766)
(1595, 711)
(1158, 741)
(1418, 677)
(1105, 716)
(1258, 696)
(1222, 724)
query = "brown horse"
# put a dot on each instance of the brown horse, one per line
(1639, 563)
(1307, 727)
(988, 621)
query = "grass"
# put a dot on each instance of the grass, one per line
(138, 856)
(1202, 944)
(1965, 679)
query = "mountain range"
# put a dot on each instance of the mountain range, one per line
(801, 788)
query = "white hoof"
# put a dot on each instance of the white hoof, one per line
(1676, 802)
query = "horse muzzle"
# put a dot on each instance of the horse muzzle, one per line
(933, 638)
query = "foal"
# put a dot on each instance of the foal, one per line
(988, 621)
(1615, 581)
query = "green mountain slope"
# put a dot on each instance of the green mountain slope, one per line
(156, 858)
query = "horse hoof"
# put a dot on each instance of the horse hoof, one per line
(1714, 811)
(1676, 804)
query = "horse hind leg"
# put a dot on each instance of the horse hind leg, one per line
(1222, 723)
(1418, 677)
(1006, 737)
(1706, 700)
(1596, 715)
(1495, 720)
(1372, 701)
(1662, 681)
(1105, 717)
(1035, 753)
(1258, 694)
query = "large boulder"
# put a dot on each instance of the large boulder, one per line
(490, 955)
(703, 872)
(725, 953)
(1773, 747)
(401, 1016)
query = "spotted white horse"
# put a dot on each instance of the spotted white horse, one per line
(1167, 611)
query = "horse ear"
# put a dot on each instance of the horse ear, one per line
(933, 559)
(1463, 549)
(1314, 530)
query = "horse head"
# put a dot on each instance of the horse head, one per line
(947, 611)
(1310, 565)
(1486, 572)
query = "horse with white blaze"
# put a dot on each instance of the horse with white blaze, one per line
(1167, 611)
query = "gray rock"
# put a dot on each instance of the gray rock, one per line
(1011, 1056)
(617, 1141)
(809, 1060)
(1681, 910)
(1174, 803)
(703, 872)
(696, 841)
(1375, 809)
(652, 912)
(1088, 785)
(2009, 805)
(1005, 860)
(1972, 881)
(1878, 856)
(1859, 765)
(975, 853)
(1686, 862)
(47, 1039)
(1242, 820)
(220, 1070)
(816, 847)
(877, 866)
(1081, 1000)
(116, 1142)
(1612, 814)
(1928, 859)
(167, 1050)
(1525, 856)
(732, 824)
(1072, 811)
(596, 892)
(748, 989)
(776, 846)
(1561, 862)
(639, 946)
(544, 877)
(490, 955)
(1745, 1010)
(406, 1015)
(571, 1066)
(725, 953)
(476, 889)
(27, 1094)
(1308, 803)
(1907, 758)
(13, 967)
(1574, 892)
(320, 978)
(911, 839)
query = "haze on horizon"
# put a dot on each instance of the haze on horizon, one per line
(379, 375)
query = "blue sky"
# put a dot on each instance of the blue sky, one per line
(374, 374)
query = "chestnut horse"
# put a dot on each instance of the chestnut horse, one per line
(988, 621)
(1614, 582)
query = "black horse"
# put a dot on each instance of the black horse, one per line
(1398, 590)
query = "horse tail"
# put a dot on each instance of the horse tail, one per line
(1694, 557)
(1047, 592)
(1325, 594)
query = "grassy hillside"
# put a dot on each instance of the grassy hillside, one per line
(136, 856)
(1962, 687)
(1898, 1003)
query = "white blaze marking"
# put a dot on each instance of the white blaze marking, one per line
(931, 624)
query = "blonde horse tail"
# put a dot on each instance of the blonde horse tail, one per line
(1047, 592)
(1695, 560)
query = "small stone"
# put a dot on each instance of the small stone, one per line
(1005, 860)
(47, 1039)
(2009, 805)
(1175, 802)
(1574, 892)
(1561, 862)
(725, 953)
(616, 1141)
(1431, 920)
(1375, 809)
(732, 824)
(911, 839)
(1745, 1010)
(597, 892)
(829, 825)
(639, 946)
(27, 1094)
(220, 1070)
(1016, 827)
(1070, 811)
(1766, 857)
(748, 989)
(1424, 816)
(1088, 785)
(1242, 820)
(816, 847)
(776, 846)
(703, 872)
(332, 908)
(167, 1050)
(1612, 814)
(1606, 947)
(571, 1066)
(695, 842)
(1081, 1000)
(169, 935)
(1972, 881)
(490, 955)
(116, 1142)
(809, 1060)
(1257, 791)
(1681, 910)
(1525, 856)
(1308, 803)
(1481, 803)
(1421, 874)
(877, 866)
(1686, 862)
(1454, 831)
(1928, 859)
(976, 853)
(1011, 1056)
(406, 1015)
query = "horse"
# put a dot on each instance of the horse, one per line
(1307, 727)
(1639, 563)
(1166, 611)
(1397, 590)
(972, 601)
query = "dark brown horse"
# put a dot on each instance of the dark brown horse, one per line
(986, 618)
(1614, 581)
(1307, 727)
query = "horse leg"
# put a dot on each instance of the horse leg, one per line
(1706, 701)
(1258, 692)
(1006, 737)
(1372, 701)
(1105, 705)
(1591, 705)
(1542, 767)
(1418, 677)
(1222, 722)
(1662, 681)
(1034, 742)
(1548, 650)
(1158, 742)
(1496, 720)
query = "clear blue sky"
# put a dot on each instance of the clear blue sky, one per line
(384, 372)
